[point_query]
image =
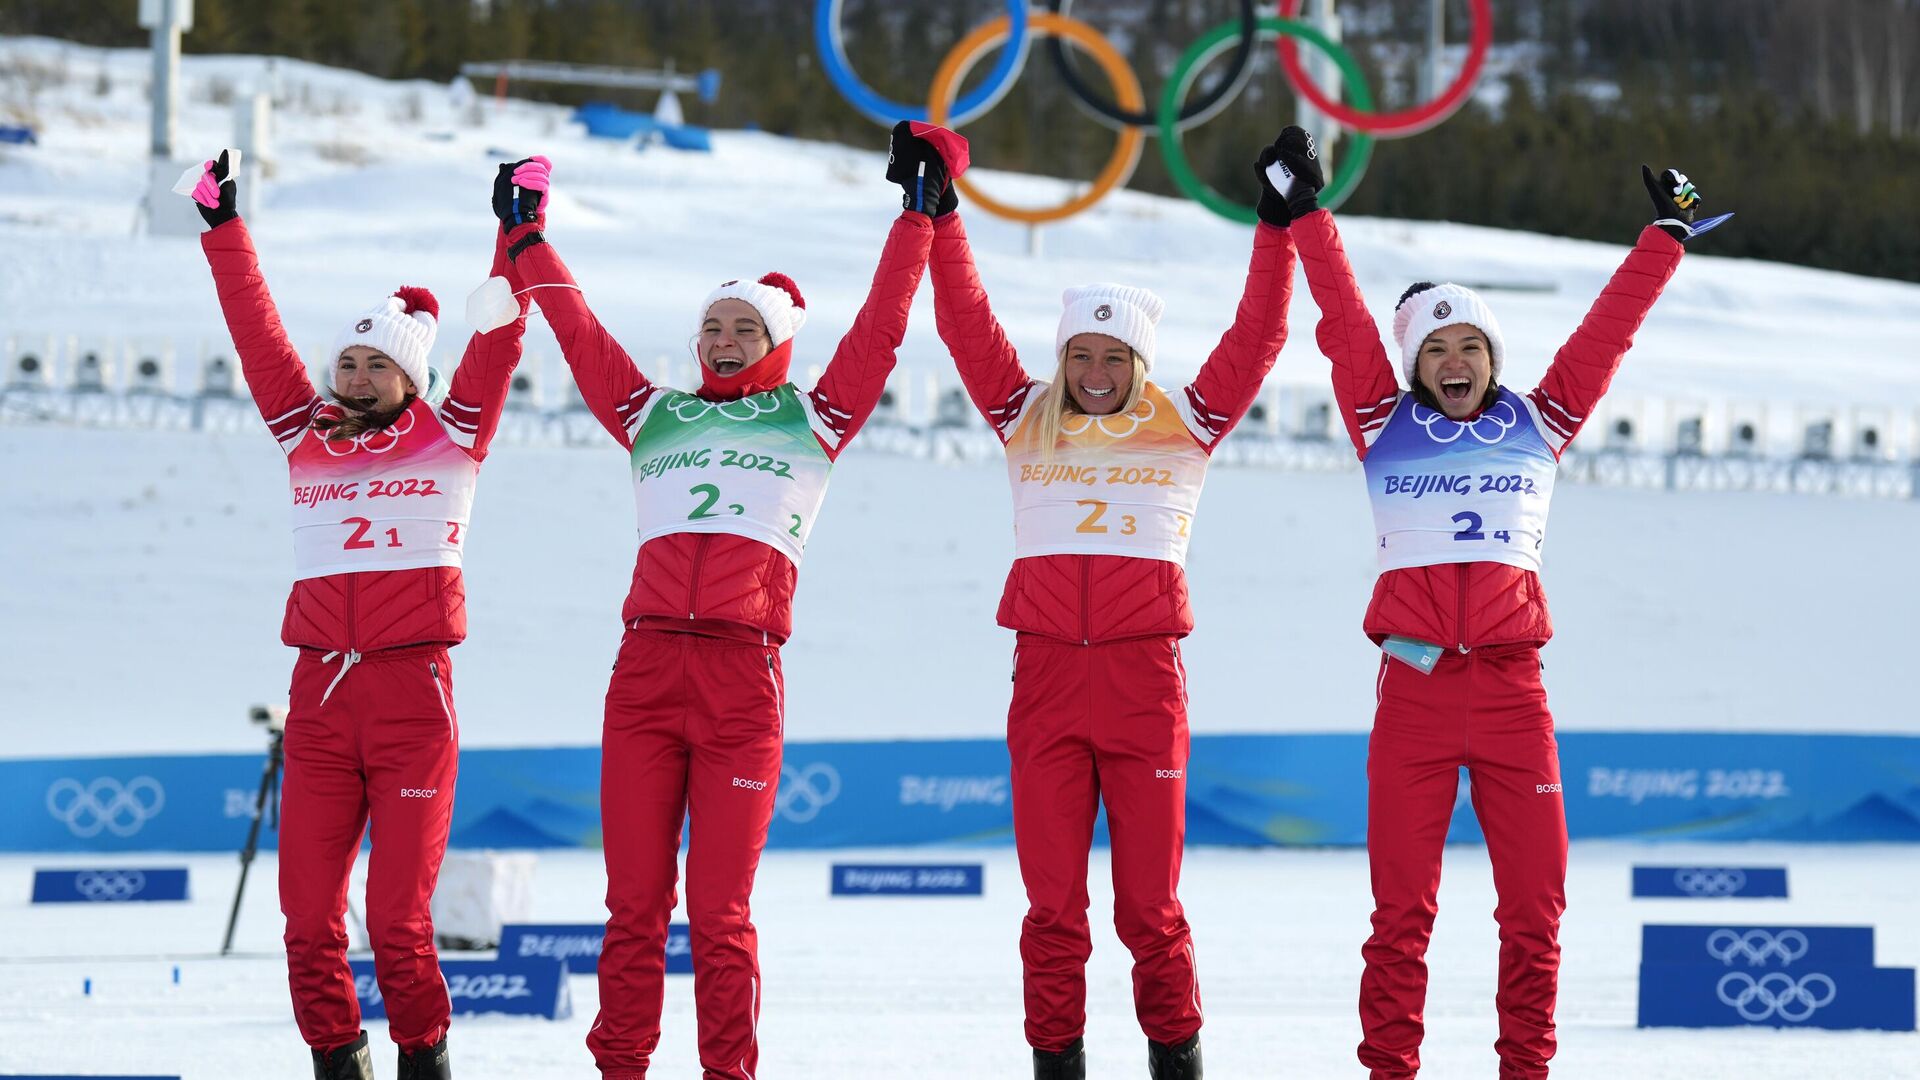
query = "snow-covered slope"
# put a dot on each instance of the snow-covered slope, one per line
(141, 573)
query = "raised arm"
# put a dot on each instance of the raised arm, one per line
(1230, 379)
(989, 368)
(612, 386)
(850, 388)
(471, 412)
(274, 373)
(1584, 366)
(1364, 386)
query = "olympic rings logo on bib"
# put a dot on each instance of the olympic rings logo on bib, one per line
(1140, 415)
(1126, 112)
(1428, 418)
(373, 442)
(700, 407)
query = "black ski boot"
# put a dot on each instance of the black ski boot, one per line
(1068, 1064)
(428, 1064)
(350, 1062)
(1179, 1061)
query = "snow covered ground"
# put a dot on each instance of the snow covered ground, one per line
(881, 987)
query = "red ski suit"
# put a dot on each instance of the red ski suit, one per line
(1483, 706)
(695, 712)
(1099, 709)
(382, 742)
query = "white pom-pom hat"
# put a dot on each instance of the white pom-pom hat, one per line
(775, 297)
(402, 326)
(1121, 311)
(1437, 307)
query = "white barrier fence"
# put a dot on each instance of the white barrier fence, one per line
(1672, 444)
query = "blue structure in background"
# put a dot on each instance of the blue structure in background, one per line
(605, 120)
(110, 885)
(515, 987)
(1770, 976)
(1710, 882)
(1241, 790)
(17, 135)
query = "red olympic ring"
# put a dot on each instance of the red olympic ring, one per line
(1407, 121)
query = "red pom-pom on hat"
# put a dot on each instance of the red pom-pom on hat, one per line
(418, 299)
(785, 283)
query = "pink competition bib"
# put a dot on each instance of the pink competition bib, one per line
(397, 499)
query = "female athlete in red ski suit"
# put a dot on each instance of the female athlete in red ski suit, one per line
(727, 482)
(1106, 469)
(1460, 471)
(382, 487)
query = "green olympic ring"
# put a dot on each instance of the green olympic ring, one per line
(1353, 163)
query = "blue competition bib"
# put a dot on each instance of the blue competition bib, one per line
(1453, 492)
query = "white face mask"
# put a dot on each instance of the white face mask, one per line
(491, 306)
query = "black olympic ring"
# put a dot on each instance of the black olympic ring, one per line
(1197, 111)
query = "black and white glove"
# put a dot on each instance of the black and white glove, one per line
(915, 164)
(1675, 200)
(214, 195)
(1290, 177)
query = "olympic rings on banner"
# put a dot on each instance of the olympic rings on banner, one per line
(1353, 163)
(1126, 149)
(1407, 121)
(833, 55)
(1199, 112)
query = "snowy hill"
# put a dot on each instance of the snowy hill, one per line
(141, 573)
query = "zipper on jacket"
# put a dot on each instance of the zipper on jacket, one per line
(693, 587)
(352, 592)
(1086, 599)
(1460, 621)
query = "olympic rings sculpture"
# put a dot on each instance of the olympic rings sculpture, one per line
(1127, 111)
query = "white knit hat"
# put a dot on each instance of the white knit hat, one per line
(774, 296)
(402, 326)
(1120, 311)
(1434, 308)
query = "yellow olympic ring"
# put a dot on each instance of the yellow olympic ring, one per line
(1126, 91)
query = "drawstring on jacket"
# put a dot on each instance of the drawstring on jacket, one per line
(352, 658)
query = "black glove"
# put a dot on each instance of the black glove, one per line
(1675, 200)
(216, 216)
(929, 192)
(1290, 177)
(512, 204)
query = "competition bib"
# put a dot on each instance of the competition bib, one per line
(397, 499)
(750, 467)
(1453, 492)
(1116, 485)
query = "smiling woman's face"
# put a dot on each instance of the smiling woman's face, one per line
(732, 337)
(1099, 372)
(1456, 367)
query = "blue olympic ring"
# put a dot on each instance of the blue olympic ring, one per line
(833, 54)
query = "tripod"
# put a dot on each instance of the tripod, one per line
(268, 797)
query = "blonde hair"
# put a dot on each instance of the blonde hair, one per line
(1056, 401)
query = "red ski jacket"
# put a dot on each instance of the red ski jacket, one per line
(380, 609)
(1467, 605)
(1096, 598)
(716, 583)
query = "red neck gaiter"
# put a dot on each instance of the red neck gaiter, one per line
(756, 378)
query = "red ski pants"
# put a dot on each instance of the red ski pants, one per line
(1094, 723)
(372, 738)
(693, 730)
(1486, 711)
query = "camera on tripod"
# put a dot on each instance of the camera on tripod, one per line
(272, 717)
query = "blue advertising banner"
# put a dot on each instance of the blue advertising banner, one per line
(1710, 882)
(515, 987)
(1693, 995)
(110, 885)
(913, 879)
(1241, 790)
(1750, 947)
(579, 945)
